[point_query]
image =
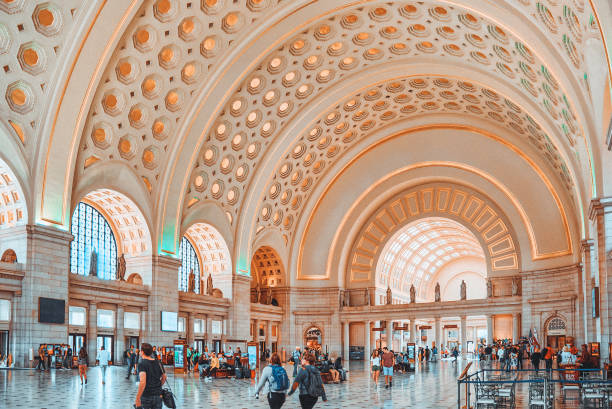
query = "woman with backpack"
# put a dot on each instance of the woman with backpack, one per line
(310, 383)
(278, 382)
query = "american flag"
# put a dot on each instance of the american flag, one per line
(533, 339)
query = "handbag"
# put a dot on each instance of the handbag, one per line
(166, 394)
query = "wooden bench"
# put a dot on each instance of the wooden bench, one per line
(326, 377)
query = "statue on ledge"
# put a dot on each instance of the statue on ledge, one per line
(367, 296)
(437, 295)
(489, 288)
(269, 296)
(341, 300)
(463, 290)
(389, 299)
(209, 285)
(121, 268)
(515, 286)
(191, 285)
(93, 264)
(412, 294)
(258, 295)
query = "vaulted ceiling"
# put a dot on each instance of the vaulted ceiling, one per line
(249, 104)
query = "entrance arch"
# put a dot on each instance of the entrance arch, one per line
(429, 251)
(467, 207)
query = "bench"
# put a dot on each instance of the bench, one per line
(221, 373)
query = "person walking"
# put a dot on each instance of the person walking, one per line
(388, 359)
(375, 366)
(41, 359)
(455, 355)
(83, 364)
(278, 382)
(130, 356)
(310, 383)
(151, 378)
(103, 357)
(548, 358)
(295, 358)
(535, 358)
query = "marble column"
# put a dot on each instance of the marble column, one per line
(345, 342)
(600, 214)
(143, 325)
(489, 330)
(438, 332)
(515, 328)
(412, 330)
(389, 333)
(368, 346)
(586, 315)
(240, 308)
(164, 297)
(256, 331)
(190, 329)
(463, 336)
(92, 331)
(269, 335)
(119, 337)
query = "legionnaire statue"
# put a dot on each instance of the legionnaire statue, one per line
(437, 292)
(514, 286)
(209, 285)
(389, 295)
(341, 296)
(269, 296)
(191, 285)
(367, 296)
(463, 290)
(93, 264)
(121, 268)
(412, 294)
(489, 288)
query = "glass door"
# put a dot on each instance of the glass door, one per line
(132, 342)
(198, 345)
(107, 341)
(76, 341)
(4, 343)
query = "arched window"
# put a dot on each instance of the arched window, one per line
(92, 232)
(189, 261)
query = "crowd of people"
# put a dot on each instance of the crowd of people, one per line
(512, 357)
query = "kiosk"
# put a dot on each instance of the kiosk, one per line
(180, 352)
(253, 353)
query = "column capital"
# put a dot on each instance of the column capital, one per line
(598, 205)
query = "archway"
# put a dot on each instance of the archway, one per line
(469, 214)
(268, 272)
(556, 333)
(112, 225)
(313, 337)
(213, 258)
(420, 254)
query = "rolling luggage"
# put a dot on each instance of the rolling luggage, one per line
(246, 372)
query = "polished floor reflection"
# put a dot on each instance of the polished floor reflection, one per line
(432, 386)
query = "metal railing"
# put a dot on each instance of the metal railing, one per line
(488, 379)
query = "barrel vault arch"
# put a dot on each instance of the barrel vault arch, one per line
(462, 204)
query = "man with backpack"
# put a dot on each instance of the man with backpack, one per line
(278, 382)
(310, 383)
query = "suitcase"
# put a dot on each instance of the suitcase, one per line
(238, 373)
(246, 372)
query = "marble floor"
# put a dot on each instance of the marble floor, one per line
(432, 386)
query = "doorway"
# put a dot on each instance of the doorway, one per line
(4, 343)
(108, 342)
(199, 345)
(132, 341)
(76, 341)
(556, 342)
(216, 346)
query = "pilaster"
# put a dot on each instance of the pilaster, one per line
(240, 308)
(164, 297)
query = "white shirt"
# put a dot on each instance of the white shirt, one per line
(103, 357)
(375, 361)
(567, 357)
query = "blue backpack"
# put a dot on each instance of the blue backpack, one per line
(280, 377)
